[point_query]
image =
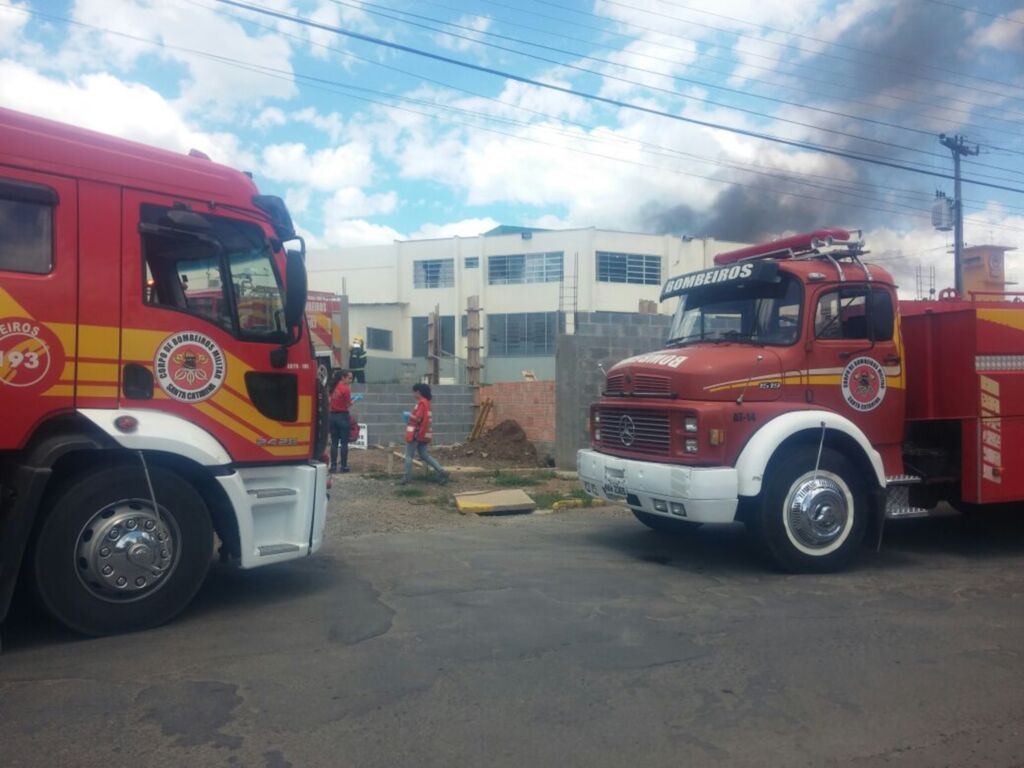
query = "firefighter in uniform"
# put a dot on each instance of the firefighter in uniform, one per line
(357, 360)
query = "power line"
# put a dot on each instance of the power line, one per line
(999, 16)
(833, 43)
(703, 84)
(710, 55)
(765, 41)
(776, 61)
(601, 99)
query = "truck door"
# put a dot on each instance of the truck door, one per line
(854, 361)
(38, 300)
(203, 311)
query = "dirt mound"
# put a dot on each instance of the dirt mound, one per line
(505, 442)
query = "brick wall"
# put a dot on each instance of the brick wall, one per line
(382, 406)
(530, 403)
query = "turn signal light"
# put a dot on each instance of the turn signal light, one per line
(716, 436)
(126, 423)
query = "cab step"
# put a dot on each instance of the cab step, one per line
(897, 498)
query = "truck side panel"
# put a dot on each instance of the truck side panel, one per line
(98, 375)
(38, 338)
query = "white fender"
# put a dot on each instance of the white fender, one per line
(758, 452)
(159, 431)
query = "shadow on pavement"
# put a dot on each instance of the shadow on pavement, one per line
(226, 588)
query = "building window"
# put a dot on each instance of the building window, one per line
(436, 273)
(378, 338)
(472, 262)
(522, 334)
(524, 268)
(419, 335)
(26, 227)
(628, 268)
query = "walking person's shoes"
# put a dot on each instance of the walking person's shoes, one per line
(344, 470)
(333, 469)
(444, 478)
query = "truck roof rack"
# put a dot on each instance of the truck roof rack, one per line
(830, 244)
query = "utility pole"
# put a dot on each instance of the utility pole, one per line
(958, 146)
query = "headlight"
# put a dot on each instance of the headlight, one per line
(691, 445)
(690, 423)
(597, 433)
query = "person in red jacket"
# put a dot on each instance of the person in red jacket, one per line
(417, 435)
(341, 402)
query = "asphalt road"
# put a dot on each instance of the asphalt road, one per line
(575, 639)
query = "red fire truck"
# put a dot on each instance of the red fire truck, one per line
(798, 395)
(157, 383)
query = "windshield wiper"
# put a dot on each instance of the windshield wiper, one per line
(733, 336)
(681, 341)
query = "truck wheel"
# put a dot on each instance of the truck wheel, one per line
(664, 524)
(106, 562)
(811, 521)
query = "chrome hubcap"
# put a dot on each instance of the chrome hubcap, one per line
(126, 550)
(817, 512)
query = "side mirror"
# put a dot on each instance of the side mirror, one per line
(295, 290)
(881, 319)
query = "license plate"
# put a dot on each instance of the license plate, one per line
(614, 488)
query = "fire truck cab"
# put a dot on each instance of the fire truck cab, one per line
(798, 395)
(157, 383)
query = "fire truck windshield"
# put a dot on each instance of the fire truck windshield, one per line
(754, 312)
(224, 274)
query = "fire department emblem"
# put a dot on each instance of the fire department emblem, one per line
(30, 354)
(189, 366)
(863, 384)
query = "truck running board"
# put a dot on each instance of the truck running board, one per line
(897, 498)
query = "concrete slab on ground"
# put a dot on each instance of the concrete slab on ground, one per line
(510, 501)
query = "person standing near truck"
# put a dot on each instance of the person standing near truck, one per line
(341, 403)
(357, 360)
(418, 436)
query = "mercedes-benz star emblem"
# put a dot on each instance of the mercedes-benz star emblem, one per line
(627, 431)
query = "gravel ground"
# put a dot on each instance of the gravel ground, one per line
(369, 503)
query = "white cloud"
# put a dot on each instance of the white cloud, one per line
(476, 24)
(648, 63)
(1002, 34)
(353, 203)
(104, 103)
(211, 86)
(12, 23)
(357, 232)
(297, 199)
(463, 228)
(269, 118)
(333, 124)
(326, 170)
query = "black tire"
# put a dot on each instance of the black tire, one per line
(665, 524)
(796, 543)
(84, 601)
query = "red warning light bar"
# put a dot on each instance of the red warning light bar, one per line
(787, 247)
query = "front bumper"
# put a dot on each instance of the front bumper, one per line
(280, 509)
(699, 494)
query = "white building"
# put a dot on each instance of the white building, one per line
(523, 277)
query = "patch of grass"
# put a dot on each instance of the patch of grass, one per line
(410, 493)
(515, 479)
(376, 475)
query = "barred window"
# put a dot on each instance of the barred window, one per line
(378, 338)
(523, 334)
(435, 273)
(628, 268)
(472, 262)
(525, 268)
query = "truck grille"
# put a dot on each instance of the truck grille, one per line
(615, 383)
(645, 384)
(635, 430)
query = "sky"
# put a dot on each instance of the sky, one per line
(740, 120)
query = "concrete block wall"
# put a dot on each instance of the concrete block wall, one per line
(382, 406)
(531, 404)
(602, 338)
